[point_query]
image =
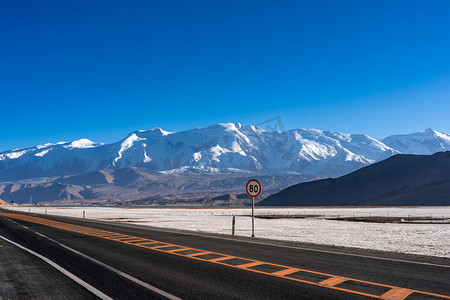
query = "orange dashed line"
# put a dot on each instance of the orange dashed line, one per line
(126, 239)
(106, 234)
(109, 238)
(333, 281)
(129, 242)
(197, 254)
(112, 237)
(221, 258)
(120, 237)
(395, 293)
(252, 264)
(145, 245)
(136, 240)
(286, 271)
(118, 240)
(163, 246)
(176, 250)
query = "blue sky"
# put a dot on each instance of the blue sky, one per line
(101, 69)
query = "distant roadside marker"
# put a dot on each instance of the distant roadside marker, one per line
(253, 189)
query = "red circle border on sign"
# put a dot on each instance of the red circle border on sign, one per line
(246, 188)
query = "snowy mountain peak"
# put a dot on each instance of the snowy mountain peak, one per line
(83, 143)
(225, 126)
(45, 145)
(427, 142)
(162, 132)
(158, 131)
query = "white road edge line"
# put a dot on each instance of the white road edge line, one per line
(118, 272)
(78, 280)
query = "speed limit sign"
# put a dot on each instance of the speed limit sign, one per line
(253, 188)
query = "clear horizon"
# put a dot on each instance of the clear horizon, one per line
(100, 71)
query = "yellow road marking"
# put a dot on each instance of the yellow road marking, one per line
(333, 281)
(107, 234)
(397, 294)
(111, 237)
(219, 259)
(286, 271)
(175, 250)
(147, 243)
(136, 240)
(150, 247)
(252, 264)
(198, 254)
(393, 293)
(162, 246)
(125, 238)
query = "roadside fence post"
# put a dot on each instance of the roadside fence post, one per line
(233, 225)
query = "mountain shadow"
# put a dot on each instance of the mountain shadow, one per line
(401, 180)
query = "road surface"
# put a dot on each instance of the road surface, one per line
(139, 262)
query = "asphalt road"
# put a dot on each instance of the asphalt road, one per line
(23, 276)
(252, 269)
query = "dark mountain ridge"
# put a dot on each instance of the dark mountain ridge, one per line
(399, 180)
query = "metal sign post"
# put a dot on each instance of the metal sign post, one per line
(253, 189)
(253, 217)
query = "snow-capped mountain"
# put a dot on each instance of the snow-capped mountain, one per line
(227, 147)
(428, 142)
